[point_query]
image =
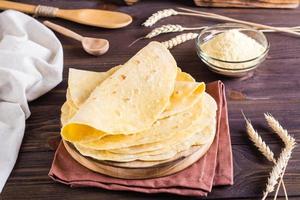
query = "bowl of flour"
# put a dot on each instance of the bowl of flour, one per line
(232, 49)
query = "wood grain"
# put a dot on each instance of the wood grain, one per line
(248, 4)
(277, 80)
(240, 3)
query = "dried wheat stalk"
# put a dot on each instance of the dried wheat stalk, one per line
(280, 181)
(288, 140)
(281, 163)
(278, 168)
(189, 12)
(158, 16)
(179, 39)
(262, 147)
(258, 141)
(178, 28)
(176, 40)
(171, 28)
(278, 129)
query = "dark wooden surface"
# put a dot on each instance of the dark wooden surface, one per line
(274, 88)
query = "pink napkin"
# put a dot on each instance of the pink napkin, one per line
(215, 168)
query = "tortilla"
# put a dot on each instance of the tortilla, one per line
(183, 76)
(83, 82)
(161, 130)
(166, 152)
(130, 100)
(205, 120)
(64, 118)
(185, 95)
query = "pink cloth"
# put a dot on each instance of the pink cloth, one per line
(215, 168)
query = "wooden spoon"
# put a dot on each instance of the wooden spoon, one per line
(92, 17)
(93, 46)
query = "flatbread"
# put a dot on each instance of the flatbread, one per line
(83, 82)
(161, 130)
(167, 152)
(130, 100)
(146, 110)
(205, 120)
(184, 96)
(185, 93)
(183, 76)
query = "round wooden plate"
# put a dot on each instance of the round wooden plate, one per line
(141, 169)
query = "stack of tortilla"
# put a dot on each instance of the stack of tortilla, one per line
(145, 110)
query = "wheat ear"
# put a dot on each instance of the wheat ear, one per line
(262, 147)
(165, 29)
(158, 16)
(258, 141)
(171, 28)
(179, 39)
(278, 129)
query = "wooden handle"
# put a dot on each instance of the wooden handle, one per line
(27, 8)
(63, 30)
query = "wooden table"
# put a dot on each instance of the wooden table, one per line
(274, 88)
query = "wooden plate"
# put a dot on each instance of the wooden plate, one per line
(141, 169)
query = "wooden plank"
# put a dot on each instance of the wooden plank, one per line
(250, 169)
(278, 79)
(248, 4)
(240, 3)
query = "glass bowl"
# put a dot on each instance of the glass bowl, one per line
(227, 67)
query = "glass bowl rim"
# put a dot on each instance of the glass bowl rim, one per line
(202, 53)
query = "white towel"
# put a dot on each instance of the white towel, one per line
(31, 64)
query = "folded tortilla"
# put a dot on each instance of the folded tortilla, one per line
(81, 83)
(184, 96)
(128, 101)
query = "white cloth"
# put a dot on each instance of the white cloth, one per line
(31, 64)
